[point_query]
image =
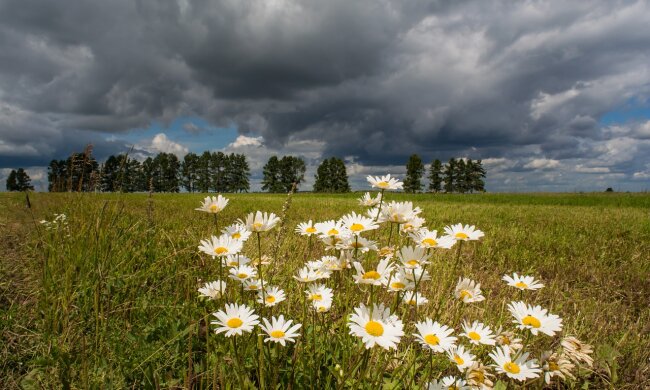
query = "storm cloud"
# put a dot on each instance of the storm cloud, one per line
(522, 85)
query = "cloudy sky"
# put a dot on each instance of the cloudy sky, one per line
(552, 95)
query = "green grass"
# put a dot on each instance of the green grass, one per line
(115, 303)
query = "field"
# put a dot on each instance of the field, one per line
(112, 301)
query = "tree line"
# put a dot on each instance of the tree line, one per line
(460, 175)
(19, 180)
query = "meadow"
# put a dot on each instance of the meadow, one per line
(111, 301)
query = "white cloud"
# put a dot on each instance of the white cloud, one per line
(542, 164)
(160, 143)
(546, 102)
(243, 141)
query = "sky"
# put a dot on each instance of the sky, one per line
(551, 95)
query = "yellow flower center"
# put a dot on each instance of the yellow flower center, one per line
(242, 275)
(465, 294)
(521, 285)
(236, 235)
(214, 208)
(553, 366)
(316, 297)
(474, 336)
(512, 367)
(322, 309)
(459, 360)
(505, 340)
(357, 245)
(412, 263)
(270, 299)
(397, 285)
(407, 226)
(234, 323)
(257, 225)
(371, 275)
(252, 287)
(412, 302)
(220, 250)
(383, 184)
(461, 235)
(278, 334)
(531, 321)
(356, 227)
(432, 339)
(374, 328)
(311, 229)
(332, 232)
(430, 242)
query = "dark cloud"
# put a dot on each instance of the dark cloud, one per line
(373, 81)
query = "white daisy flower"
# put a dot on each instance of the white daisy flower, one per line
(242, 273)
(468, 291)
(271, 296)
(357, 224)
(535, 318)
(333, 263)
(434, 336)
(519, 369)
(414, 299)
(509, 338)
(220, 246)
(398, 212)
(318, 292)
(417, 275)
(381, 328)
(260, 222)
(306, 228)
(385, 182)
(522, 282)
(399, 281)
(306, 275)
(237, 231)
(235, 320)
(463, 233)
(213, 290)
(279, 330)
(426, 239)
(375, 277)
(460, 357)
(478, 333)
(412, 225)
(322, 306)
(413, 257)
(577, 351)
(253, 284)
(448, 383)
(236, 260)
(356, 242)
(213, 204)
(554, 365)
(329, 228)
(368, 201)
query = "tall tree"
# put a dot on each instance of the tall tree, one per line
(271, 180)
(23, 181)
(449, 172)
(478, 173)
(414, 172)
(12, 184)
(238, 173)
(218, 162)
(331, 176)
(461, 176)
(57, 176)
(292, 170)
(109, 174)
(323, 177)
(189, 171)
(435, 176)
(203, 179)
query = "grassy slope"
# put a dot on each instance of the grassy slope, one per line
(113, 307)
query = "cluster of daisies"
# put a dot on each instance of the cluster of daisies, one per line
(60, 221)
(386, 271)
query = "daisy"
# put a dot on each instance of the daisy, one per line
(398, 212)
(333, 263)
(279, 330)
(385, 182)
(260, 222)
(242, 273)
(381, 328)
(434, 336)
(375, 277)
(330, 242)
(535, 318)
(318, 292)
(235, 320)
(418, 274)
(213, 204)
(478, 333)
(577, 351)
(424, 238)
(414, 299)
(386, 252)
(413, 257)
(220, 246)
(468, 291)
(462, 358)
(508, 339)
(329, 228)
(448, 383)
(356, 242)
(213, 290)
(399, 282)
(271, 296)
(322, 306)
(522, 282)
(237, 232)
(252, 284)
(478, 377)
(235, 260)
(412, 225)
(306, 275)
(368, 201)
(306, 229)
(554, 365)
(357, 224)
(519, 369)
(463, 233)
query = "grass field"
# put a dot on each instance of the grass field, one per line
(112, 302)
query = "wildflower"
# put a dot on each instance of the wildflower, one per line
(318, 292)
(213, 204)
(213, 290)
(448, 383)
(399, 281)
(478, 377)
(414, 299)
(220, 246)
(519, 369)
(399, 212)
(323, 305)
(535, 319)
(236, 260)
(386, 252)
(333, 263)
(554, 365)
(418, 274)
(463, 233)
(252, 284)
(522, 282)
(385, 182)
(468, 291)
(356, 242)
(577, 351)
(271, 296)
(260, 222)
(235, 320)
(478, 333)
(434, 336)
(412, 225)
(306, 275)
(368, 201)
(329, 228)
(381, 328)
(242, 273)
(425, 238)
(460, 357)
(375, 277)
(508, 339)
(357, 224)
(413, 257)
(237, 231)
(279, 330)
(306, 229)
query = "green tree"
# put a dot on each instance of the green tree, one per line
(109, 174)
(218, 162)
(331, 176)
(292, 170)
(203, 180)
(461, 176)
(237, 173)
(12, 184)
(414, 172)
(23, 181)
(322, 182)
(435, 176)
(449, 172)
(189, 171)
(271, 180)
(56, 176)
(477, 176)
